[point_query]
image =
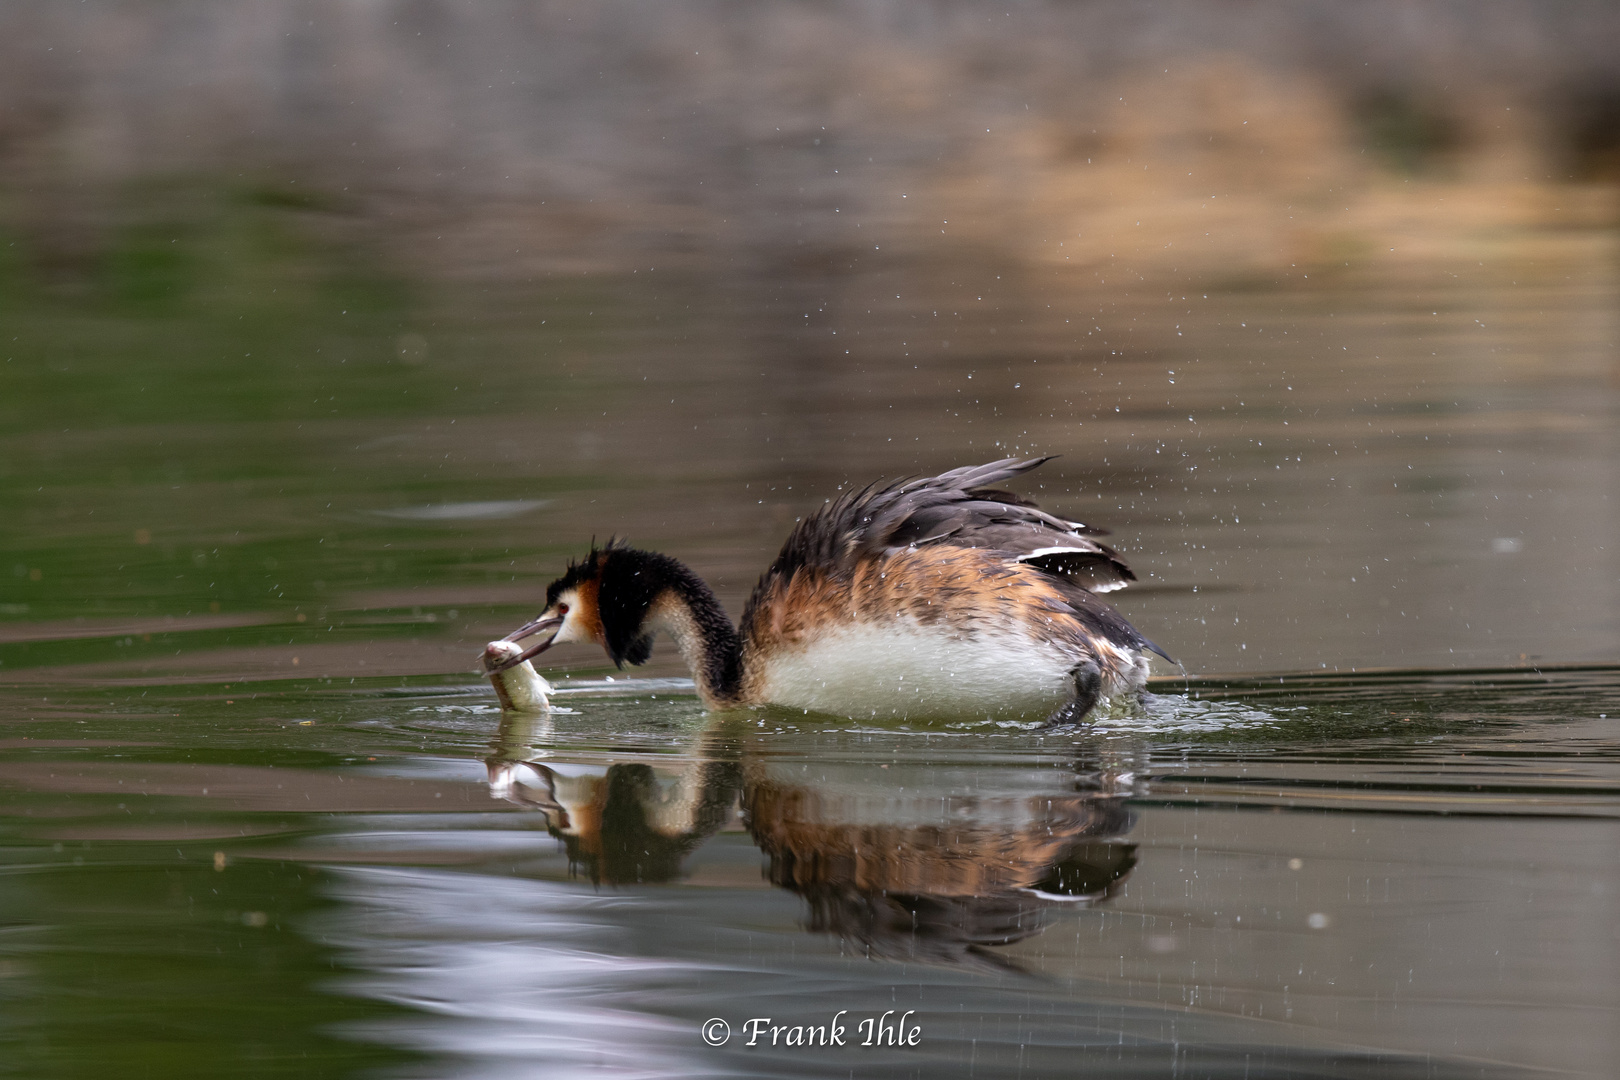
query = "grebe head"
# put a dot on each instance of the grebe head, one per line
(605, 598)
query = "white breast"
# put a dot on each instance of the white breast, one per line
(902, 668)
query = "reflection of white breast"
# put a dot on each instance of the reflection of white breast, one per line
(929, 796)
(904, 668)
(919, 829)
(674, 801)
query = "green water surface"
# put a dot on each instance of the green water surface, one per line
(264, 495)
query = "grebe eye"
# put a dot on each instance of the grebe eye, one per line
(562, 609)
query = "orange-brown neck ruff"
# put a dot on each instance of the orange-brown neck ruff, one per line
(590, 609)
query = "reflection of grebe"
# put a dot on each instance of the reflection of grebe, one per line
(936, 868)
(624, 822)
(936, 876)
(925, 597)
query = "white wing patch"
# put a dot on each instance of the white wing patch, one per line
(1099, 587)
(1038, 552)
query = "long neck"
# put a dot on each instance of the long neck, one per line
(710, 644)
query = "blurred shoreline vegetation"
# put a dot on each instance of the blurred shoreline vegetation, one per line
(1172, 142)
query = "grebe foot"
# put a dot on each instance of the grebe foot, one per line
(1087, 689)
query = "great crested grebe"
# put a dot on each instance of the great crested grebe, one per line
(934, 597)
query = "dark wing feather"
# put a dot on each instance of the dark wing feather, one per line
(1101, 619)
(959, 508)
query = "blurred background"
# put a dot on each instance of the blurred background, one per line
(329, 331)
